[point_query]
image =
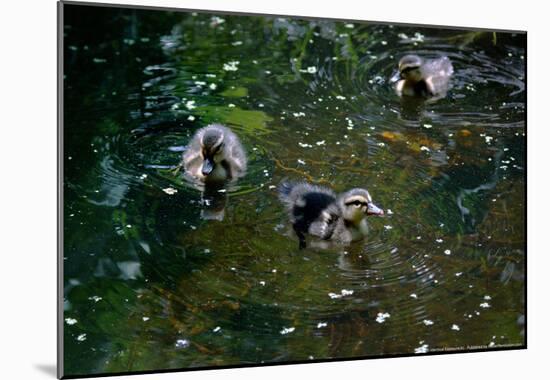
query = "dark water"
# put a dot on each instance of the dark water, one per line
(151, 285)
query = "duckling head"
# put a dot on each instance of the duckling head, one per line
(212, 143)
(409, 67)
(356, 205)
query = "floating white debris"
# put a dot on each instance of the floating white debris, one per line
(217, 328)
(428, 126)
(349, 26)
(215, 21)
(491, 344)
(262, 283)
(384, 43)
(304, 145)
(380, 143)
(213, 86)
(487, 298)
(394, 250)
(455, 327)
(272, 187)
(143, 176)
(231, 66)
(322, 142)
(298, 114)
(145, 319)
(447, 252)
(340, 97)
(182, 343)
(389, 211)
(81, 337)
(388, 227)
(70, 321)
(190, 104)
(206, 250)
(381, 317)
(346, 292)
(237, 43)
(458, 274)
(191, 118)
(231, 105)
(428, 322)
(421, 350)
(424, 148)
(301, 162)
(413, 295)
(488, 139)
(484, 305)
(312, 69)
(287, 330)
(439, 240)
(95, 298)
(321, 324)
(170, 191)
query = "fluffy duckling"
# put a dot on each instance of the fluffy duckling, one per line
(426, 78)
(318, 211)
(215, 154)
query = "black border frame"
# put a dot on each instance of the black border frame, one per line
(60, 198)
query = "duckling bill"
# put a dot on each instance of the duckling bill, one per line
(215, 154)
(320, 212)
(424, 78)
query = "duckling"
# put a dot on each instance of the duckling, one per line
(428, 78)
(318, 211)
(214, 154)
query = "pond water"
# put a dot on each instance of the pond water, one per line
(149, 284)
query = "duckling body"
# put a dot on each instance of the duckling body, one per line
(424, 78)
(318, 211)
(214, 154)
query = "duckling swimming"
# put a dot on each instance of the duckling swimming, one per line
(318, 211)
(215, 154)
(425, 78)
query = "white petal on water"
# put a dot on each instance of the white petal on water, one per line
(413, 295)
(301, 162)
(334, 295)
(388, 227)
(428, 322)
(231, 66)
(321, 324)
(458, 274)
(231, 105)
(424, 148)
(81, 337)
(287, 330)
(394, 250)
(447, 252)
(213, 86)
(389, 211)
(322, 142)
(487, 298)
(191, 118)
(190, 104)
(439, 240)
(484, 305)
(262, 283)
(95, 298)
(70, 321)
(182, 343)
(346, 292)
(421, 350)
(217, 328)
(381, 317)
(312, 69)
(170, 191)
(428, 126)
(455, 327)
(145, 319)
(340, 97)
